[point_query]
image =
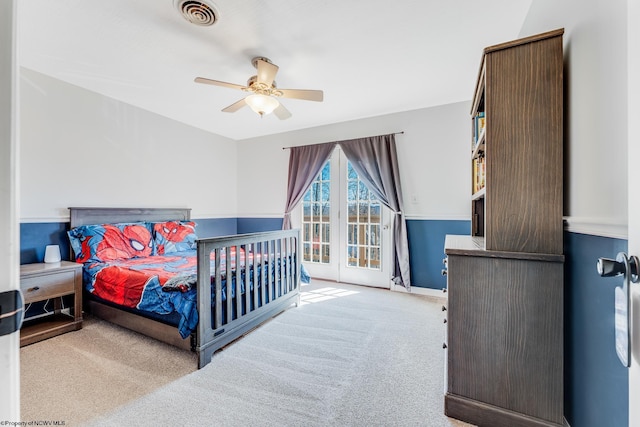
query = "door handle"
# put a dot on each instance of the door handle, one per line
(622, 265)
(11, 311)
(626, 266)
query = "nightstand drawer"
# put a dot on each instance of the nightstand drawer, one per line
(47, 286)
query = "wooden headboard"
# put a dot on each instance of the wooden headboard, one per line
(84, 216)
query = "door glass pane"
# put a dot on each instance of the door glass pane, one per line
(326, 230)
(324, 195)
(306, 212)
(352, 212)
(353, 234)
(316, 215)
(326, 212)
(374, 235)
(352, 256)
(325, 254)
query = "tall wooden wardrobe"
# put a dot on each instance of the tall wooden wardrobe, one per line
(504, 339)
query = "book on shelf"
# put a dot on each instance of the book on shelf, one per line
(479, 124)
(474, 174)
(483, 173)
(477, 142)
(479, 174)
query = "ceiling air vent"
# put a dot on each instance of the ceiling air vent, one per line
(200, 12)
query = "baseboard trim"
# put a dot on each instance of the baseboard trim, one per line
(483, 414)
(429, 292)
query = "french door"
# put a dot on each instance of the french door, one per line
(345, 231)
(9, 208)
(633, 53)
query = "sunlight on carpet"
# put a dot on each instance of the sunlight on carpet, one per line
(323, 294)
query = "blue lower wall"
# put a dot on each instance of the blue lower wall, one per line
(214, 227)
(254, 225)
(426, 249)
(34, 237)
(596, 384)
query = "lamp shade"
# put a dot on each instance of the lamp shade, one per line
(262, 104)
(52, 253)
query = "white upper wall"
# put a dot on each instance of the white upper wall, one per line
(433, 154)
(68, 134)
(595, 44)
(79, 148)
(83, 149)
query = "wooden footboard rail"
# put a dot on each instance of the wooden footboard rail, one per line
(261, 281)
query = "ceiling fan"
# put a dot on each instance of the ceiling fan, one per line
(264, 93)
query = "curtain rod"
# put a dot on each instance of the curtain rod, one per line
(333, 142)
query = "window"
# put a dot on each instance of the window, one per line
(363, 224)
(316, 222)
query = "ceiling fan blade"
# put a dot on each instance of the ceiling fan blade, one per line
(235, 106)
(266, 71)
(308, 95)
(218, 83)
(281, 112)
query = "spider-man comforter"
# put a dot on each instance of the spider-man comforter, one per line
(159, 284)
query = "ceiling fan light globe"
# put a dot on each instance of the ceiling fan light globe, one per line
(262, 104)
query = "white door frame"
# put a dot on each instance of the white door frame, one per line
(9, 227)
(335, 270)
(633, 111)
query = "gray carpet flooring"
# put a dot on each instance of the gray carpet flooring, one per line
(348, 356)
(73, 377)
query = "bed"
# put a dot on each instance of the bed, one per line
(161, 280)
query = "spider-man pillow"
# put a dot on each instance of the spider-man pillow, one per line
(174, 236)
(107, 242)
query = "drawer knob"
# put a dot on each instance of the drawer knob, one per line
(444, 345)
(444, 308)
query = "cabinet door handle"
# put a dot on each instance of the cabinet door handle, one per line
(35, 288)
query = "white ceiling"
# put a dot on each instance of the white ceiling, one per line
(370, 57)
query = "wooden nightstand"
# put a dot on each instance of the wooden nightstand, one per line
(40, 282)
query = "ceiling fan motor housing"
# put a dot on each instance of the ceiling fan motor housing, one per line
(256, 87)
